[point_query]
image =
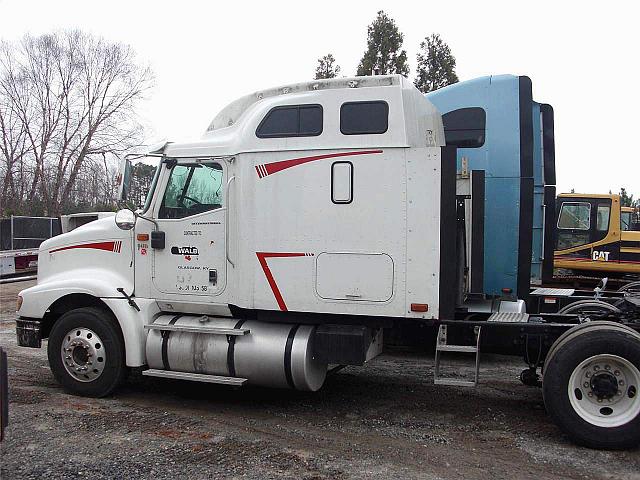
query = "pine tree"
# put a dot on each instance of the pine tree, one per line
(626, 200)
(436, 65)
(327, 67)
(384, 54)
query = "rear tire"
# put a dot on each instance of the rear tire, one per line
(86, 352)
(590, 386)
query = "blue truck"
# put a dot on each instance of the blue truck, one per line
(498, 128)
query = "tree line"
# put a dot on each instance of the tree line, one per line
(68, 112)
(384, 55)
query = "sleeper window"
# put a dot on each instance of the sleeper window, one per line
(361, 118)
(291, 121)
(465, 127)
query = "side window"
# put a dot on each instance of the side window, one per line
(362, 118)
(625, 221)
(342, 182)
(574, 221)
(575, 216)
(603, 212)
(291, 121)
(465, 127)
(192, 189)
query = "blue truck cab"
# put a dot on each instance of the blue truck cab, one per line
(497, 127)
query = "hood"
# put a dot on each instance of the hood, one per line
(86, 251)
(102, 229)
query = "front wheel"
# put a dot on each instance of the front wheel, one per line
(86, 352)
(590, 387)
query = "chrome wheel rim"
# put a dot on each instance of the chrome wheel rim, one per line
(83, 354)
(603, 390)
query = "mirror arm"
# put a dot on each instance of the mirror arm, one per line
(155, 224)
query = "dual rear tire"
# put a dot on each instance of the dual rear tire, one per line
(590, 385)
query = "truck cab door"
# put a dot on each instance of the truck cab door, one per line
(191, 216)
(586, 229)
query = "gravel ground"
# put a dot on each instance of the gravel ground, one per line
(384, 420)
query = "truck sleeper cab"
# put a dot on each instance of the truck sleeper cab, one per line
(307, 219)
(253, 240)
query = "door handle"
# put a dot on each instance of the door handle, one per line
(226, 217)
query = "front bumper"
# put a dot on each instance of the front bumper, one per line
(29, 332)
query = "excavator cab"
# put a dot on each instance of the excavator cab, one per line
(594, 236)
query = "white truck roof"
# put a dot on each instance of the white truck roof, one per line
(413, 120)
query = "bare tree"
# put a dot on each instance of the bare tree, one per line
(12, 152)
(69, 100)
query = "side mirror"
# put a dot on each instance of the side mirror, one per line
(125, 219)
(123, 179)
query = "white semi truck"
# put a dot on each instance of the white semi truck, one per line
(307, 219)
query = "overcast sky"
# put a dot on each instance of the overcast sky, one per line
(581, 56)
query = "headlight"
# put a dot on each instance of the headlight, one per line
(18, 303)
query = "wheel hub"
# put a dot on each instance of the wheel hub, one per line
(83, 354)
(602, 390)
(604, 385)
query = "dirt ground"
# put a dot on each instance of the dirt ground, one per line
(384, 420)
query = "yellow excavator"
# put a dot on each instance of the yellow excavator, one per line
(596, 236)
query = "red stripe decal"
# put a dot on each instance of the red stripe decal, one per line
(107, 246)
(262, 258)
(275, 167)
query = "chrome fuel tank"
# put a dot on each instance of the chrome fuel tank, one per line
(267, 354)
